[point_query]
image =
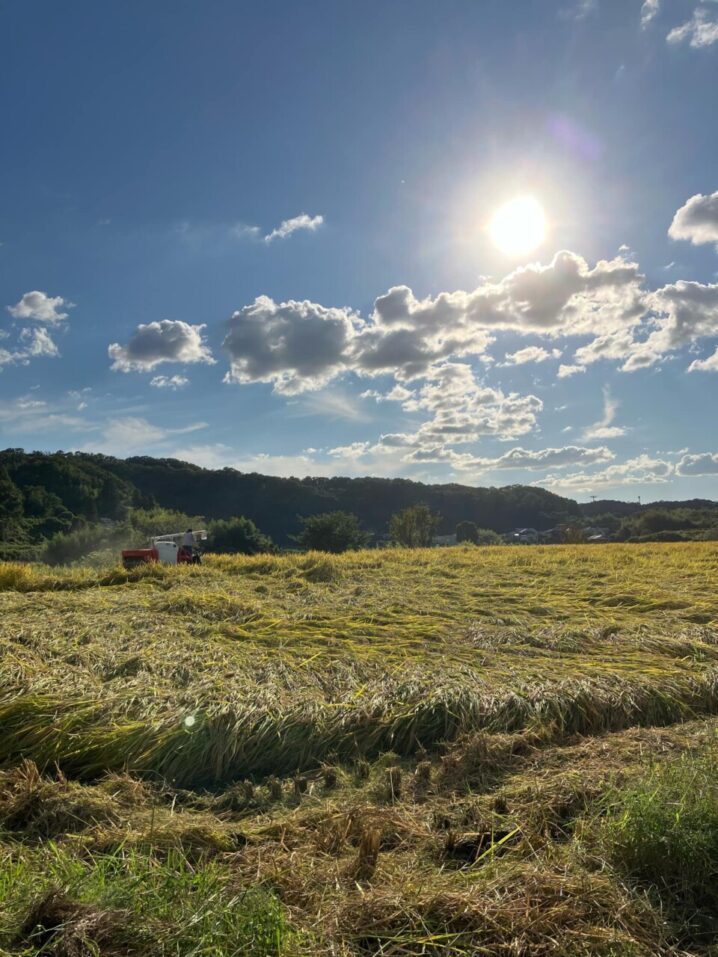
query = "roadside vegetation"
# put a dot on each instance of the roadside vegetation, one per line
(474, 750)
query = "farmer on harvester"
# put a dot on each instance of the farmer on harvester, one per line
(188, 542)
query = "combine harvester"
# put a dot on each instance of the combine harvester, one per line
(168, 549)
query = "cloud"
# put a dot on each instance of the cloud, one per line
(710, 364)
(330, 405)
(406, 335)
(613, 346)
(649, 11)
(677, 315)
(214, 237)
(30, 415)
(244, 231)
(173, 382)
(703, 464)
(301, 346)
(295, 346)
(38, 342)
(604, 428)
(158, 342)
(530, 354)
(398, 394)
(293, 225)
(80, 396)
(687, 311)
(642, 470)
(700, 31)
(31, 344)
(40, 307)
(564, 297)
(426, 344)
(515, 459)
(133, 435)
(548, 458)
(697, 220)
(579, 10)
(462, 409)
(459, 409)
(566, 371)
(342, 460)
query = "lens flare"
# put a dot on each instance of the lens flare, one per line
(519, 226)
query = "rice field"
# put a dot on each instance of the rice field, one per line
(384, 752)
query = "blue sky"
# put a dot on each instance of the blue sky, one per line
(259, 234)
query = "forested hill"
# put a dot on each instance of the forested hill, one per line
(49, 493)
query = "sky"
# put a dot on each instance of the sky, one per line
(452, 240)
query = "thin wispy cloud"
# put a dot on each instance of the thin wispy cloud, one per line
(172, 382)
(604, 428)
(649, 12)
(296, 224)
(699, 32)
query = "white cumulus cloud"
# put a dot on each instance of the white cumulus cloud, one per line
(31, 344)
(40, 307)
(710, 364)
(569, 455)
(641, 470)
(697, 220)
(566, 371)
(705, 463)
(296, 346)
(158, 342)
(531, 354)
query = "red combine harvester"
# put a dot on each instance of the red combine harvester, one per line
(167, 549)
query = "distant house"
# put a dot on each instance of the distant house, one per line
(444, 539)
(524, 536)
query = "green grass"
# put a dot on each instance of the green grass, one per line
(662, 831)
(132, 902)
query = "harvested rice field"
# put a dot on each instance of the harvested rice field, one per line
(504, 751)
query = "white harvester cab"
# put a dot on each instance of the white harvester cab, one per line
(167, 552)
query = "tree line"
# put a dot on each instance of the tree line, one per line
(61, 506)
(45, 495)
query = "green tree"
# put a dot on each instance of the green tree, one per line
(237, 535)
(572, 535)
(148, 522)
(11, 507)
(487, 536)
(414, 527)
(467, 532)
(332, 532)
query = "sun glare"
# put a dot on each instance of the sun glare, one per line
(519, 226)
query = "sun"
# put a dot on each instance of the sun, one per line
(519, 226)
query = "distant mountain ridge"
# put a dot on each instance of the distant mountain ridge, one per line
(42, 494)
